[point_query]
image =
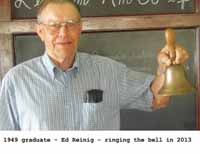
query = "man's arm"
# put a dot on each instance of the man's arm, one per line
(8, 119)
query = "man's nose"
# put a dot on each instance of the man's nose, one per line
(64, 30)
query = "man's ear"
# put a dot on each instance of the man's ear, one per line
(40, 31)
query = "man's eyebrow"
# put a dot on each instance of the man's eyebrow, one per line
(51, 20)
(66, 20)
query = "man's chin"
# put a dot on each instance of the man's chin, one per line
(65, 53)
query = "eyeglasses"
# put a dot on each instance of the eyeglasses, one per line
(54, 27)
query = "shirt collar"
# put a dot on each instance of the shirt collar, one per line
(51, 67)
(76, 62)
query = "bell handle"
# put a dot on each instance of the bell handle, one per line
(170, 37)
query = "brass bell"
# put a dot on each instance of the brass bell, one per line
(175, 82)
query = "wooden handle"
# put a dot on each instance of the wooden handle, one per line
(170, 37)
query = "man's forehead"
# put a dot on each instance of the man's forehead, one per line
(62, 11)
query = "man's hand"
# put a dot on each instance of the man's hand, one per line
(171, 54)
(165, 59)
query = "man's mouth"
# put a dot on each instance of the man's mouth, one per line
(64, 43)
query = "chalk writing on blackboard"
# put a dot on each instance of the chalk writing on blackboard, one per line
(114, 3)
(181, 2)
(22, 3)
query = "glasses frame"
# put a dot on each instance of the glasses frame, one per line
(54, 27)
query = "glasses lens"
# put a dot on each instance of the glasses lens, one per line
(55, 27)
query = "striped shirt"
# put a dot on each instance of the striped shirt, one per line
(36, 95)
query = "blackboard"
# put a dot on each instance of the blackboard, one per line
(138, 50)
(27, 8)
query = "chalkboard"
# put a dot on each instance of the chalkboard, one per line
(27, 8)
(138, 50)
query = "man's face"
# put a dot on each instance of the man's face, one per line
(60, 30)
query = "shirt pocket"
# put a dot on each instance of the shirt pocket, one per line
(93, 96)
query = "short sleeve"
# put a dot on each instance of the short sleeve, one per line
(135, 91)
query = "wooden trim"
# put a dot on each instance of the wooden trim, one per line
(197, 63)
(6, 54)
(197, 6)
(118, 23)
(5, 8)
(141, 22)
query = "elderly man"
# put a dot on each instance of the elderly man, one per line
(67, 90)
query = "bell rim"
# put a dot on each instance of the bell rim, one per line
(178, 92)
